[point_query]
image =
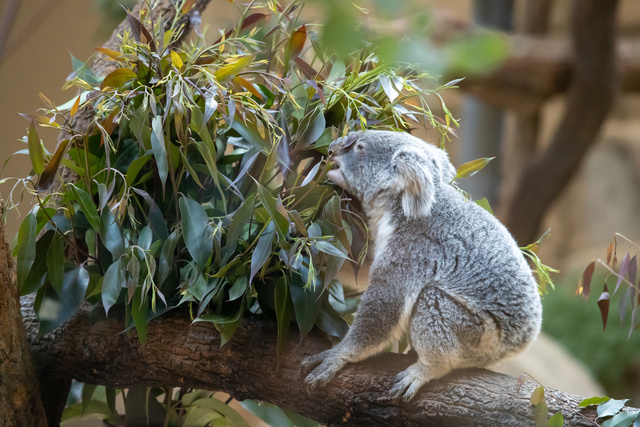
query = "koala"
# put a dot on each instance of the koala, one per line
(444, 269)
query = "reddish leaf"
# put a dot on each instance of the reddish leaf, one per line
(248, 21)
(297, 40)
(139, 32)
(603, 305)
(75, 107)
(50, 171)
(248, 86)
(187, 5)
(633, 269)
(609, 253)
(306, 69)
(584, 287)
(113, 54)
(624, 268)
(108, 125)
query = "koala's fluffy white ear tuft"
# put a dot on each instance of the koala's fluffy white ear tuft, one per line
(415, 181)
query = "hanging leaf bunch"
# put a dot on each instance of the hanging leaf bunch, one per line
(201, 180)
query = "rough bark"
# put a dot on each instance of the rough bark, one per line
(92, 349)
(19, 394)
(589, 100)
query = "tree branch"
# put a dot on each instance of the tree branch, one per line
(589, 100)
(92, 349)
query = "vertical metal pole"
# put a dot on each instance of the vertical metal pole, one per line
(482, 124)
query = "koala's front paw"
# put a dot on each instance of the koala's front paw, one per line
(315, 360)
(408, 382)
(329, 365)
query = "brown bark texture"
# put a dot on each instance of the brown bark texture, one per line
(19, 396)
(590, 97)
(178, 353)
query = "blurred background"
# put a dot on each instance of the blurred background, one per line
(567, 148)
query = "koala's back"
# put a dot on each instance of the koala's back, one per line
(468, 254)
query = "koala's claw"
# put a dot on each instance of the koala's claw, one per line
(408, 382)
(315, 360)
(327, 369)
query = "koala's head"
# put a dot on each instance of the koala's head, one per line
(385, 166)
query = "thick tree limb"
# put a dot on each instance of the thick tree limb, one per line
(179, 354)
(590, 97)
(540, 67)
(19, 395)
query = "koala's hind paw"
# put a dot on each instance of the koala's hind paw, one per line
(408, 382)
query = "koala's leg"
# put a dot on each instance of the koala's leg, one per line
(383, 312)
(446, 335)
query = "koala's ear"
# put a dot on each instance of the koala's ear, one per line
(415, 181)
(442, 163)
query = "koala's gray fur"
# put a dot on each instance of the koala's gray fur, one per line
(444, 269)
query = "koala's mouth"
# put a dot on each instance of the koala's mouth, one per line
(336, 175)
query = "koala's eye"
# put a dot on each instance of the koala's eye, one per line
(359, 147)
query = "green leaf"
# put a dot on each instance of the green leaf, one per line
(610, 407)
(311, 128)
(55, 262)
(299, 420)
(38, 271)
(117, 78)
(135, 167)
(74, 287)
(306, 303)
(240, 219)
(270, 414)
(269, 203)
(196, 231)
(110, 234)
(230, 414)
(36, 152)
(557, 420)
(540, 414)
(471, 168)
(593, 401)
(86, 206)
(233, 68)
(262, 252)
(328, 248)
(238, 288)
(623, 419)
(284, 313)
(484, 204)
(87, 395)
(166, 256)
(140, 315)
(331, 322)
(159, 149)
(112, 285)
(26, 249)
(537, 396)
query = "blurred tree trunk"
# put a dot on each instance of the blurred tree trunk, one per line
(539, 182)
(20, 403)
(482, 133)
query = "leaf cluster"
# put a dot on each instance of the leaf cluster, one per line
(624, 273)
(201, 180)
